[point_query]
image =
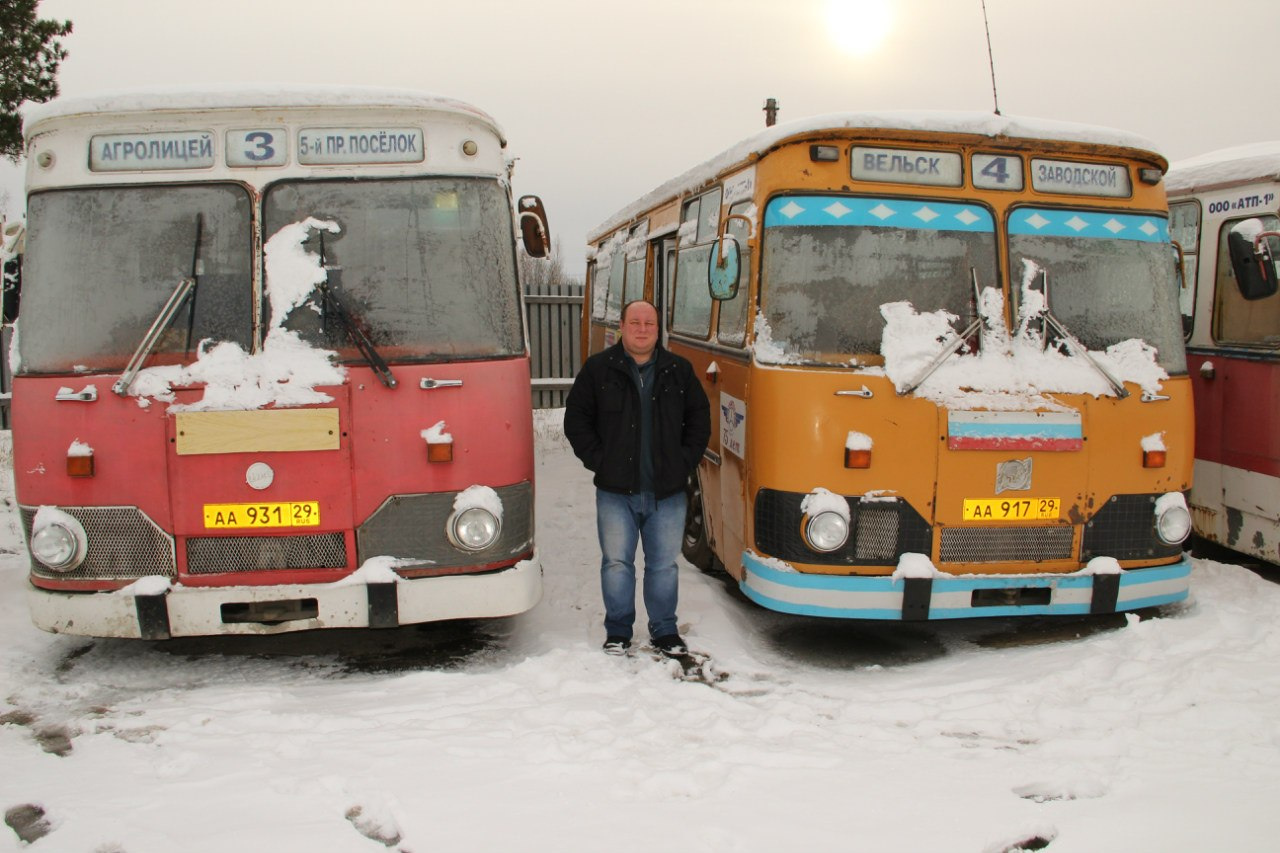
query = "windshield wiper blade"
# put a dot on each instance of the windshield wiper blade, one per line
(1073, 343)
(158, 328)
(330, 300)
(333, 301)
(953, 343)
(186, 287)
(195, 277)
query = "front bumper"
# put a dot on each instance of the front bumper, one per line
(961, 596)
(185, 611)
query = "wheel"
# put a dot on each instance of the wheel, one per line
(696, 548)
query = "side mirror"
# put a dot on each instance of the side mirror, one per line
(535, 233)
(1252, 259)
(724, 268)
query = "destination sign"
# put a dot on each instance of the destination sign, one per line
(264, 146)
(328, 146)
(908, 166)
(1071, 178)
(132, 152)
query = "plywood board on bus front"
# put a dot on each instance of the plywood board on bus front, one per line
(274, 430)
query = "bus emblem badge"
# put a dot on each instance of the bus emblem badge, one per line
(1013, 476)
(260, 475)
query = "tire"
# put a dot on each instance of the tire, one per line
(695, 547)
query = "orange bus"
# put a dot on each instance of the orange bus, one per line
(945, 358)
(271, 371)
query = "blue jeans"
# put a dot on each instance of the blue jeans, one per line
(622, 521)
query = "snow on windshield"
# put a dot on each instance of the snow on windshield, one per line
(285, 372)
(1010, 371)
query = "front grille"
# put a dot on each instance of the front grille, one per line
(1005, 544)
(877, 533)
(210, 555)
(124, 544)
(881, 531)
(413, 527)
(1125, 528)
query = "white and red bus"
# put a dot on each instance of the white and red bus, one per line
(1225, 214)
(271, 371)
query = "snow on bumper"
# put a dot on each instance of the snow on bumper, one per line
(185, 611)
(953, 596)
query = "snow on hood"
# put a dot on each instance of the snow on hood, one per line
(285, 372)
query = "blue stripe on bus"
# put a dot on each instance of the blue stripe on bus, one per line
(881, 212)
(945, 583)
(1022, 430)
(1054, 222)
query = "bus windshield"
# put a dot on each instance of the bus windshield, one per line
(829, 263)
(1111, 276)
(425, 265)
(101, 263)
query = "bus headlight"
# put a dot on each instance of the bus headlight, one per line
(60, 545)
(826, 531)
(1173, 522)
(473, 528)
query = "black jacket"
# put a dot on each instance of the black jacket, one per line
(602, 414)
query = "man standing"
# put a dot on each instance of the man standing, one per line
(638, 418)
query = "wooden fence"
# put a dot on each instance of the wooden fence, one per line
(554, 317)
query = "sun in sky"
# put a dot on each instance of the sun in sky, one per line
(858, 27)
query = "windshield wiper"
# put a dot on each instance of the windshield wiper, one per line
(953, 343)
(186, 287)
(1073, 343)
(332, 300)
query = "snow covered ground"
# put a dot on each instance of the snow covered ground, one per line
(1081, 736)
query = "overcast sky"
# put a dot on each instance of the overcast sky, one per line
(602, 101)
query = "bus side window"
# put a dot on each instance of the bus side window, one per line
(1184, 230)
(1253, 258)
(617, 272)
(13, 235)
(691, 303)
(1246, 312)
(733, 313)
(599, 291)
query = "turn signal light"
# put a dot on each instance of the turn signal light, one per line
(857, 458)
(80, 466)
(441, 452)
(1153, 458)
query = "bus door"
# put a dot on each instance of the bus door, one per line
(664, 273)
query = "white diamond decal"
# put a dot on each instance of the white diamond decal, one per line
(967, 216)
(1077, 223)
(882, 211)
(1035, 220)
(791, 210)
(1149, 228)
(836, 210)
(1113, 226)
(924, 214)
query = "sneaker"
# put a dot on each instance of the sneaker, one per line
(670, 644)
(616, 645)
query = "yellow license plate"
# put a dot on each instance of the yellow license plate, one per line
(1012, 509)
(284, 514)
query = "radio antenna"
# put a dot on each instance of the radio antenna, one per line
(991, 62)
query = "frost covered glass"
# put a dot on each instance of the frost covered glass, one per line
(101, 263)
(426, 266)
(822, 286)
(1107, 291)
